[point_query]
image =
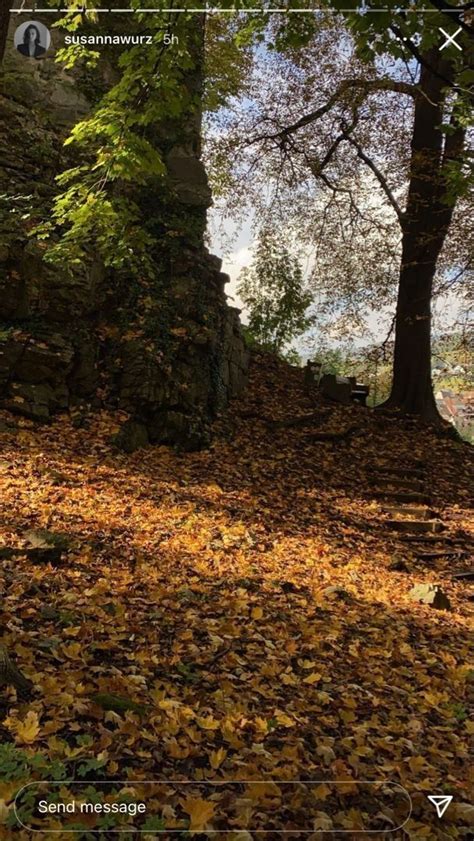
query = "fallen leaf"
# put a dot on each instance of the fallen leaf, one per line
(200, 813)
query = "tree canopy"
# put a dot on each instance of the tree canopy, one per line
(357, 132)
(353, 128)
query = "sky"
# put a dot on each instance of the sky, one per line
(446, 308)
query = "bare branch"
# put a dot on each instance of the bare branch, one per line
(379, 176)
(443, 288)
(318, 167)
(367, 86)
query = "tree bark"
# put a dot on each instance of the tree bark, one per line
(425, 224)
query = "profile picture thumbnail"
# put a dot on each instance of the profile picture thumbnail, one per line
(32, 39)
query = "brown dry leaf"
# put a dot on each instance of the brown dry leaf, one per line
(196, 597)
(200, 813)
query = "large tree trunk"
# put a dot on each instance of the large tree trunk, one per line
(425, 224)
(412, 389)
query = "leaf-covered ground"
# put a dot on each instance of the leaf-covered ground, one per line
(196, 585)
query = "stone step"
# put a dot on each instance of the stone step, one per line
(402, 472)
(415, 527)
(431, 555)
(403, 496)
(410, 511)
(394, 482)
(426, 538)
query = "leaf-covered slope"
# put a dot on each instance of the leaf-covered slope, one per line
(243, 612)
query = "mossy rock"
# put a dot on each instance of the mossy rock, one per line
(118, 704)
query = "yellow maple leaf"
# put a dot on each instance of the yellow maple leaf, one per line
(174, 749)
(215, 488)
(312, 678)
(57, 746)
(230, 735)
(434, 698)
(73, 650)
(356, 819)
(322, 791)
(257, 613)
(326, 753)
(322, 821)
(27, 730)
(417, 764)
(260, 790)
(216, 757)
(72, 752)
(284, 720)
(208, 723)
(200, 812)
(64, 699)
(8, 791)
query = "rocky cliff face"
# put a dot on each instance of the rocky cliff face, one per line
(168, 351)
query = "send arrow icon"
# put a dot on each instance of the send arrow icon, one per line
(440, 802)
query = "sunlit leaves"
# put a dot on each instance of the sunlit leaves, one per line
(27, 730)
(116, 142)
(194, 602)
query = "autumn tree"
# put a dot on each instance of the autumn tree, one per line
(418, 95)
(325, 133)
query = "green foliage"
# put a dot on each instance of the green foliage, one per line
(20, 766)
(92, 764)
(458, 711)
(453, 357)
(227, 62)
(154, 824)
(272, 290)
(334, 360)
(117, 149)
(17, 764)
(118, 146)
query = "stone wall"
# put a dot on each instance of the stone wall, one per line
(170, 354)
